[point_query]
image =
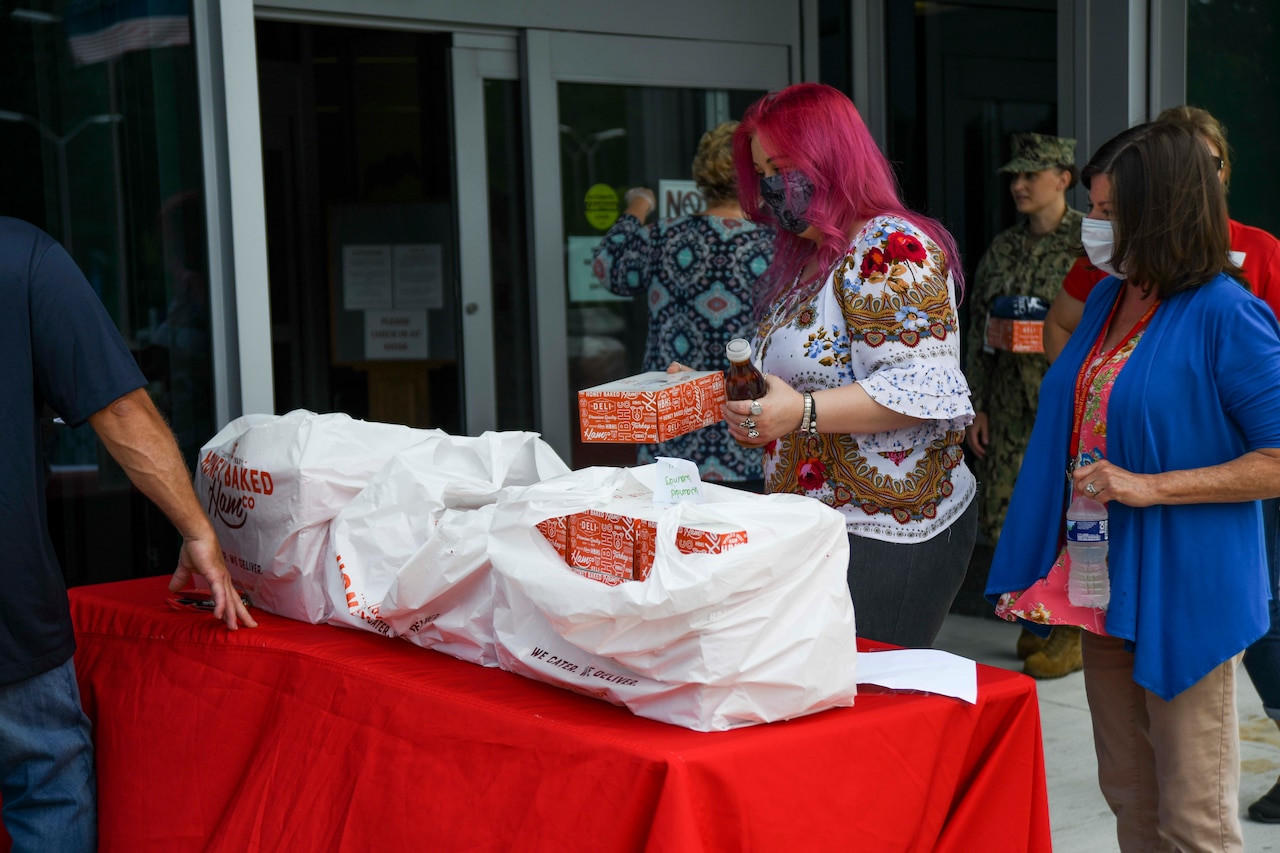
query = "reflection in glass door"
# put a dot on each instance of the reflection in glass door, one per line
(361, 222)
(613, 138)
(613, 112)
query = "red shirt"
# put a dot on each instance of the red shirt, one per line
(1261, 266)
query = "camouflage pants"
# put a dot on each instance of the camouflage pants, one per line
(1009, 431)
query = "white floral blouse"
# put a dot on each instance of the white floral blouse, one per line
(885, 318)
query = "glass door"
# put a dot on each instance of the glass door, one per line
(613, 137)
(606, 113)
(361, 214)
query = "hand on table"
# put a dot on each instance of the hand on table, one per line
(204, 557)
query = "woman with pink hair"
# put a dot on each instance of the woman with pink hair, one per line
(859, 338)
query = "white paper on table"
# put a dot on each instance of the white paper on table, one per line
(928, 670)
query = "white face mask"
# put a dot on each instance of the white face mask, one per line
(1099, 244)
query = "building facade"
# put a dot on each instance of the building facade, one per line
(386, 207)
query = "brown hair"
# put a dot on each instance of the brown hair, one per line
(713, 164)
(1169, 210)
(1203, 123)
(1070, 169)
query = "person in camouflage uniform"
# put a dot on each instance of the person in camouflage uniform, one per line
(1029, 260)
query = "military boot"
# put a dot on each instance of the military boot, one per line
(1029, 644)
(1060, 655)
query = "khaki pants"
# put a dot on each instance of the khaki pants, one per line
(1169, 770)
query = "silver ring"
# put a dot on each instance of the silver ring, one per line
(753, 433)
(1091, 488)
(748, 424)
(756, 408)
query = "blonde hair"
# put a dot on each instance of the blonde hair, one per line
(713, 170)
(1203, 123)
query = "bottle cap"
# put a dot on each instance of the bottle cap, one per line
(738, 349)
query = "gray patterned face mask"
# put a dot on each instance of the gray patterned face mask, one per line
(788, 194)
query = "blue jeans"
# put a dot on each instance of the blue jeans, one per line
(46, 764)
(1262, 659)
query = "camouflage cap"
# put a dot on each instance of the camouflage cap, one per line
(1035, 151)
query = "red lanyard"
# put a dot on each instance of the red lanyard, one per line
(1093, 365)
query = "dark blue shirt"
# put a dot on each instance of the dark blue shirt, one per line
(57, 346)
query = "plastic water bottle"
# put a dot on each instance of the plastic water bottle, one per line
(1088, 585)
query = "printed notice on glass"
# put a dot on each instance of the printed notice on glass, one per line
(395, 334)
(679, 198)
(366, 278)
(418, 275)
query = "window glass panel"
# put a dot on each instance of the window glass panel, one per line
(513, 355)
(1233, 71)
(613, 138)
(100, 145)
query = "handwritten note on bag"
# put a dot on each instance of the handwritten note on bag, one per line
(677, 482)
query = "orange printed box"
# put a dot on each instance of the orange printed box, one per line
(704, 539)
(601, 542)
(620, 546)
(600, 577)
(556, 531)
(650, 407)
(1015, 335)
(709, 539)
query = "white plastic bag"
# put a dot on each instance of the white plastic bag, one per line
(412, 546)
(762, 632)
(272, 483)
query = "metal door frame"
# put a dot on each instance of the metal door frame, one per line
(550, 57)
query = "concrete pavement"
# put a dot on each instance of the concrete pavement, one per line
(1078, 815)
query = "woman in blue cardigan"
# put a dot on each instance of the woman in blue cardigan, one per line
(1171, 382)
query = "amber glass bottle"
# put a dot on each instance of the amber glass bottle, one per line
(743, 380)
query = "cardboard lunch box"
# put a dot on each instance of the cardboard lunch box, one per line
(1015, 335)
(612, 547)
(650, 407)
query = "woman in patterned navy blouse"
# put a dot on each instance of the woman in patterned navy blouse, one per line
(857, 332)
(698, 272)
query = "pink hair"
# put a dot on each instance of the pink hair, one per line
(815, 129)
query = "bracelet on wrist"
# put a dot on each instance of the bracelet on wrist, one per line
(808, 423)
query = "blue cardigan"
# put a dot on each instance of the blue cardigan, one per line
(1188, 582)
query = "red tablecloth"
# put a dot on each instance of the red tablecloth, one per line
(310, 738)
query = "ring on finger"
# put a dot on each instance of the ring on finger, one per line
(748, 424)
(1091, 488)
(756, 408)
(753, 433)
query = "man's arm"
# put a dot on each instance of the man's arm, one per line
(138, 438)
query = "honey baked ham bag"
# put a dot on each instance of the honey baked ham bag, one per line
(409, 550)
(753, 633)
(271, 484)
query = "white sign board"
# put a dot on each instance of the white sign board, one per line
(679, 198)
(418, 275)
(366, 277)
(395, 334)
(583, 285)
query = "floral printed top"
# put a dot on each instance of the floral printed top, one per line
(1046, 601)
(885, 317)
(697, 273)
